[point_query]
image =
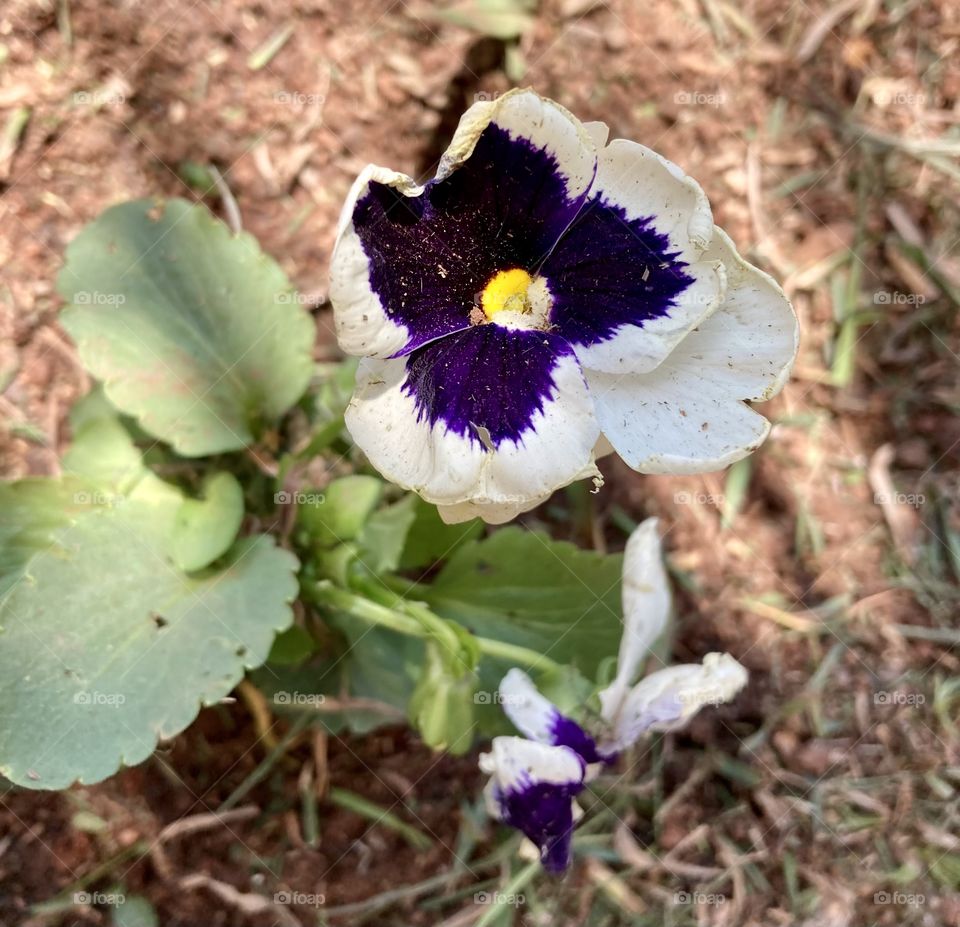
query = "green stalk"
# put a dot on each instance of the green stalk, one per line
(433, 625)
(422, 624)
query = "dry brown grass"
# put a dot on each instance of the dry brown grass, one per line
(827, 138)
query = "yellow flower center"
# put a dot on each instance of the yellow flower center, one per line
(506, 290)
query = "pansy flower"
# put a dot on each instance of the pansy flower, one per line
(547, 297)
(534, 780)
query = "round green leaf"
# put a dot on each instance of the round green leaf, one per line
(107, 647)
(205, 528)
(338, 513)
(193, 331)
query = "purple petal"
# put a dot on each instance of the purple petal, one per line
(543, 812)
(430, 255)
(609, 271)
(488, 377)
(532, 788)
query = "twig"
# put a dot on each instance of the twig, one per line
(230, 207)
(245, 902)
(200, 822)
(260, 712)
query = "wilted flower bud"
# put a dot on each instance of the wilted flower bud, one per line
(441, 706)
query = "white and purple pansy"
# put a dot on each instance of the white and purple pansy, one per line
(534, 780)
(545, 297)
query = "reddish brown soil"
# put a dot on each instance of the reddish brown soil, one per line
(786, 119)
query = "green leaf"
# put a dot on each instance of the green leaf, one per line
(292, 647)
(524, 588)
(107, 647)
(32, 510)
(377, 666)
(431, 540)
(205, 528)
(567, 689)
(334, 389)
(102, 451)
(385, 533)
(383, 665)
(134, 911)
(193, 331)
(340, 516)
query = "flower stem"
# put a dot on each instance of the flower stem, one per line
(416, 620)
(325, 593)
(433, 625)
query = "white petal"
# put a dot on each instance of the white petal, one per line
(687, 415)
(668, 698)
(599, 132)
(638, 350)
(646, 608)
(556, 451)
(490, 802)
(382, 420)
(516, 763)
(532, 714)
(645, 184)
(447, 469)
(499, 513)
(362, 326)
(542, 122)
(668, 422)
(747, 347)
(493, 513)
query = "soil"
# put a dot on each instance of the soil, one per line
(802, 122)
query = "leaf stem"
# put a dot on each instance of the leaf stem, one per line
(419, 625)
